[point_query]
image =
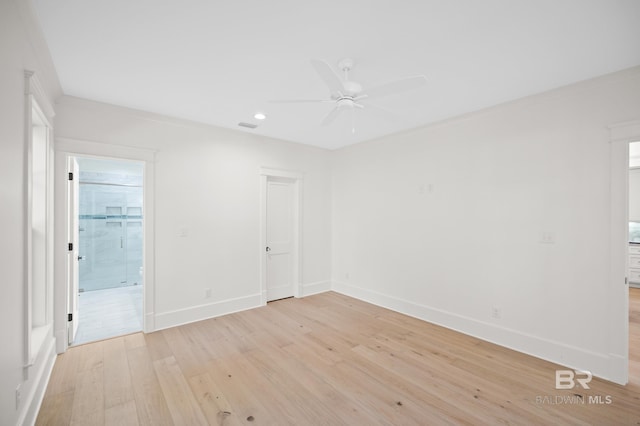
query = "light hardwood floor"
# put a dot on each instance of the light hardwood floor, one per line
(326, 359)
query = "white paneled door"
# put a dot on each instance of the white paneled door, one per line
(74, 245)
(279, 238)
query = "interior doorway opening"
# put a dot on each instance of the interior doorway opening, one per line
(109, 220)
(634, 262)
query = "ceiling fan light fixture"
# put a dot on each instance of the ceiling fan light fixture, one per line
(345, 102)
(347, 94)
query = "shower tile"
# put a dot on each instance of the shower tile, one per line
(134, 211)
(114, 211)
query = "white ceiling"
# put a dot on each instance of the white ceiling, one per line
(219, 62)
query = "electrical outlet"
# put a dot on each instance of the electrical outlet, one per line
(547, 237)
(425, 188)
(496, 312)
(18, 396)
(207, 293)
(347, 276)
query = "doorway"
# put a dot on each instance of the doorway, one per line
(620, 137)
(107, 289)
(279, 223)
(634, 262)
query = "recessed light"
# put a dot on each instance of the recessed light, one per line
(259, 116)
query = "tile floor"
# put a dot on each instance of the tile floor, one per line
(109, 313)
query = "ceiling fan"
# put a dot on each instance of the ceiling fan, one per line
(348, 95)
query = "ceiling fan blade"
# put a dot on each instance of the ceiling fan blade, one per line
(298, 101)
(394, 87)
(330, 78)
(331, 116)
(381, 112)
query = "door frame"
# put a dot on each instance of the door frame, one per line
(620, 136)
(298, 179)
(73, 275)
(64, 149)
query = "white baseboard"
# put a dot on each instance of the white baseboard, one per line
(607, 366)
(61, 340)
(210, 310)
(41, 373)
(201, 312)
(149, 322)
(315, 288)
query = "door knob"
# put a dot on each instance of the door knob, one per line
(268, 248)
(80, 257)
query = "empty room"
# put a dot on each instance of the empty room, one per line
(337, 212)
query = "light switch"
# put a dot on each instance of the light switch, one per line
(547, 237)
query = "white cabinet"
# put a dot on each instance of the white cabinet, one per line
(634, 265)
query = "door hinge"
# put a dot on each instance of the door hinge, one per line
(70, 175)
(70, 246)
(69, 317)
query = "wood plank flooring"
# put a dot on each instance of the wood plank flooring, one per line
(323, 360)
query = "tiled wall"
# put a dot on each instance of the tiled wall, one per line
(110, 231)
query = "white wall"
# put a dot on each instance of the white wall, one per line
(207, 182)
(445, 222)
(21, 47)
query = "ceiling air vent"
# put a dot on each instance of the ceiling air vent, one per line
(248, 125)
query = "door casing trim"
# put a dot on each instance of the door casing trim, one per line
(64, 149)
(620, 135)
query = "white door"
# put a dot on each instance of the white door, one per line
(73, 257)
(280, 245)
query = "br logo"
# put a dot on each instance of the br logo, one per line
(566, 379)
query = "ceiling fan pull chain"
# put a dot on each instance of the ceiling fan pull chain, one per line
(353, 121)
